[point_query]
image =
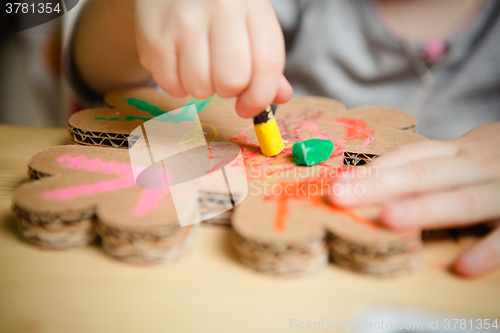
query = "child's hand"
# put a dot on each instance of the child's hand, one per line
(439, 184)
(201, 47)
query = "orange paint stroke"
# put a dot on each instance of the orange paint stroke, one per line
(281, 215)
(353, 216)
(300, 191)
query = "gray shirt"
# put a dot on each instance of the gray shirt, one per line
(341, 49)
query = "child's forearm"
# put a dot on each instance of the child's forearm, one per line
(104, 47)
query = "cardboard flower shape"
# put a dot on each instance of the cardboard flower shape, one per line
(82, 192)
(295, 230)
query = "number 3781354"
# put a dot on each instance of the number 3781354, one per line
(41, 7)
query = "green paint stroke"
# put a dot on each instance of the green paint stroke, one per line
(104, 118)
(163, 116)
(155, 111)
(145, 106)
(130, 118)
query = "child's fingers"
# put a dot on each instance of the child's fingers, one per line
(481, 258)
(230, 52)
(268, 60)
(463, 206)
(436, 174)
(285, 91)
(194, 60)
(156, 46)
(416, 151)
(165, 71)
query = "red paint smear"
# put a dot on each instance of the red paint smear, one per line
(356, 128)
(211, 157)
(221, 157)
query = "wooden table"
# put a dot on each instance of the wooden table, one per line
(207, 290)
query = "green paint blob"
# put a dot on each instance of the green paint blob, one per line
(311, 152)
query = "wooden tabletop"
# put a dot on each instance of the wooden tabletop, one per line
(208, 290)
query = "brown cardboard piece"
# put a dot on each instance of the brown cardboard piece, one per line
(289, 233)
(111, 125)
(359, 135)
(84, 189)
(313, 229)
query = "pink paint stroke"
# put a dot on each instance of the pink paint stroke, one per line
(94, 165)
(368, 140)
(77, 191)
(149, 201)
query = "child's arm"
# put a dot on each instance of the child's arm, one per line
(439, 184)
(197, 47)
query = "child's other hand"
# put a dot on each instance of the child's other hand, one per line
(439, 184)
(201, 47)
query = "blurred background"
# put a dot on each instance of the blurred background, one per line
(32, 89)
